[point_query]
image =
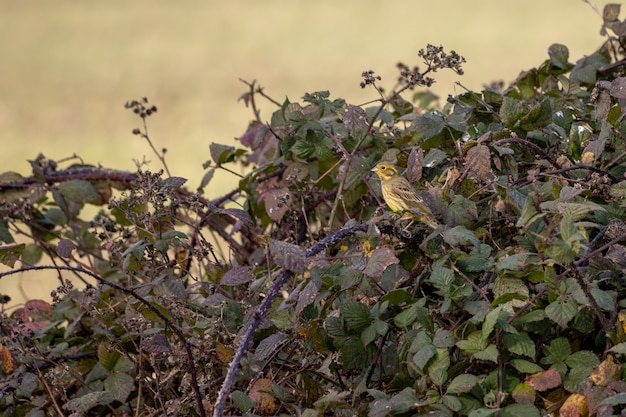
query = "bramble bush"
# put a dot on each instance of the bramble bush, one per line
(298, 294)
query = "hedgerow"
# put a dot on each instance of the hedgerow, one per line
(299, 293)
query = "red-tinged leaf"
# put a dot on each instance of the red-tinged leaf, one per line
(478, 161)
(618, 88)
(355, 120)
(237, 276)
(523, 393)
(38, 310)
(65, 248)
(156, 344)
(543, 381)
(288, 256)
(277, 202)
(414, 165)
(380, 260)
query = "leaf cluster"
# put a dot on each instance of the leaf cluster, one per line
(298, 293)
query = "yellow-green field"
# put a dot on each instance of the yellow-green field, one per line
(66, 67)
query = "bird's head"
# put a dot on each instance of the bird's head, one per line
(385, 171)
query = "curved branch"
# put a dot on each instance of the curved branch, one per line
(264, 308)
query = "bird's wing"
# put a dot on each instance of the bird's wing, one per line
(407, 193)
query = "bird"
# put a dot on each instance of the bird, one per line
(401, 197)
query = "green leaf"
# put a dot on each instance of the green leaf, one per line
(525, 366)
(460, 236)
(520, 410)
(120, 385)
(561, 311)
(5, 233)
(478, 260)
(242, 401)
(616, 399)
(462, 383)
(511, 112)
(356, 315)
(582, 359)
(438, 367)
(475, 342)
(32, 253)
(620, 348)
(428, 125)
(368, 335)
(585, 70)
(221, 153)
(84, 403)
(424, 355)
(490, 353)
(302, 149)
(559, 55)
(519, 344)
(434, 157)
(79, 191)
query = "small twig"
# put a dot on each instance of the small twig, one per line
(535, 147)
(470, 282)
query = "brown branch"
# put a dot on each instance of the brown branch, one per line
(79, 173)
(264, 307)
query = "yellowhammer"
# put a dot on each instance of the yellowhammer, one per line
(400, 196)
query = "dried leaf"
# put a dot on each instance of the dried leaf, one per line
(8, 362)
(10, 254)
(543, 381)
(237, 276)
(65, 248)
(224, 353)
(574, 406)
(478, 161)
(380, 260)
(156, 344)
(262, 394)
(414, 165)
(277, 202)
(606, 372)
(288, 256)
(355, 120)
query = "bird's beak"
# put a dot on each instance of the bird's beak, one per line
(374, 169)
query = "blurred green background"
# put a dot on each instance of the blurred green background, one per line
(66, 68)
